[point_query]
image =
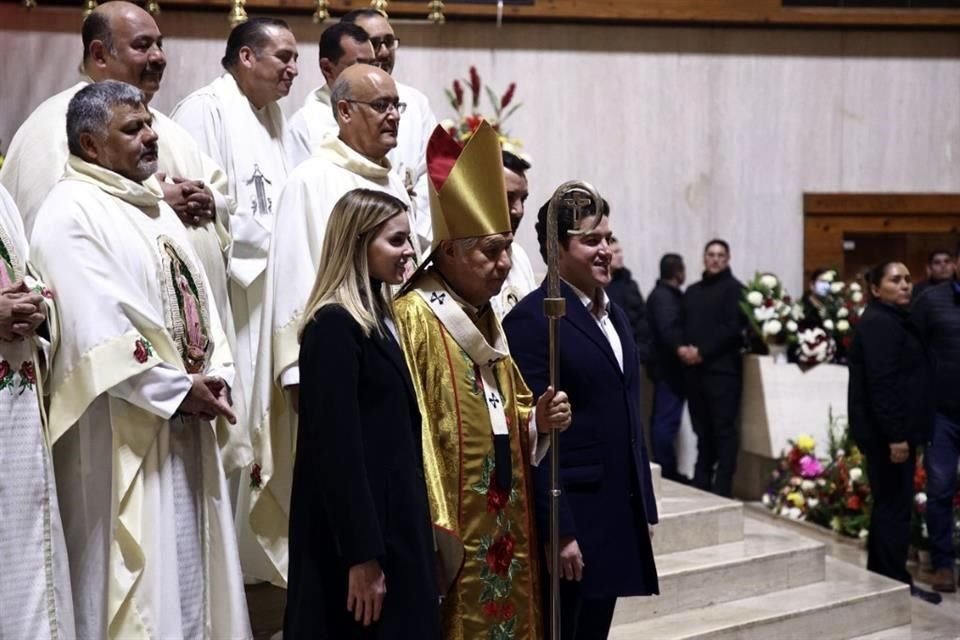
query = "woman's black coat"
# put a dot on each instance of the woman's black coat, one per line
(358, 488)
(887, 397)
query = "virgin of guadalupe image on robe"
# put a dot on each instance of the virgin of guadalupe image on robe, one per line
(189, 323)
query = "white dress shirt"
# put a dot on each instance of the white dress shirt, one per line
(603, 320)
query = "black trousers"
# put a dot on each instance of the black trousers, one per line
(892, 488)
(580, 618)
(714, 402)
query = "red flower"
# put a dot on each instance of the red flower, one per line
(458, 93)
(475, 85)
(506, 611)
(255, 480)
(919, 478)
(4, 369)
(500, 554)
(491, 609)
(508, 96)
(140, 351)
(28, 372)
(497, 498)
(473, 122)
(853, 503)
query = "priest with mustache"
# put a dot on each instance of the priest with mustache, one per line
(139, 389)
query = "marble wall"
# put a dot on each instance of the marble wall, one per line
(689, 132)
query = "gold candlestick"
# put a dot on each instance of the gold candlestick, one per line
(88, 7)
(153, 7)
(381, 6)
(238, 15)
(322, 12)
(436, 12)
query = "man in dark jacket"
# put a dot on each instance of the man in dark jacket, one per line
(712, 328)
(623, 290)
(607, 501)
(665, 368)
(941, 267)
(936, 315)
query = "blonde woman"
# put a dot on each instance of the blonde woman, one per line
(361, 550)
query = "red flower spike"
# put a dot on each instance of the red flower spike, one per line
(458, 92)
(475, 86)
(508, 96)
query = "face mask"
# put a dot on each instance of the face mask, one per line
(821, 288)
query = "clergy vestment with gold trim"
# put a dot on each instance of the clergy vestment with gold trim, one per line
(484, 529)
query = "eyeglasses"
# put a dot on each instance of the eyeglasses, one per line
(391, 42)
(383, 106)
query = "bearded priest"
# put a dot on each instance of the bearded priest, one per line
(481, 429)
(141, 370)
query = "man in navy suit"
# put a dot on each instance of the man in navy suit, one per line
(607, 504)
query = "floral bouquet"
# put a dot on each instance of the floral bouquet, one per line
(815, 346)
(469, 116)
(770, 311)
(833, 493)
(842, 307)
(793, 484)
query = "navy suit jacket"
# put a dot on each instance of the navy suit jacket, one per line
(607, 498)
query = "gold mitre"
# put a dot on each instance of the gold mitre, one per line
(468, 197)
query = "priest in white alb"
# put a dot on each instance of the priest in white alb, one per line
(140, 373)
(237, 120)
(368, 111)
(314, 120)
(35, 595)
(121, 42)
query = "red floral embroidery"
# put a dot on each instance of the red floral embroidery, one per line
(4, 369)
(140, 351)
(497, 498)
(507, 611)
(255, 480)
(491, 609)
(500, 554)
(28, 372)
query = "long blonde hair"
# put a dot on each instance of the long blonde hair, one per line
(344, 274)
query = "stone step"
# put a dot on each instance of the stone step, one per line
(690, 519)
(896, 633)
(766, 560)
(849, 602)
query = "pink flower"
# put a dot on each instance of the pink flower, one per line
(810, 467)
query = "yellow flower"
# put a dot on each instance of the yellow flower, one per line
(806, 443)
(796, 499)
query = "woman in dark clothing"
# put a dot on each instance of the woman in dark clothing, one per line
(361, 549)
(889, 416)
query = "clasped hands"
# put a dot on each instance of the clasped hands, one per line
(208, 398)
(191, 200)
(689, 355)
(21, 312)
